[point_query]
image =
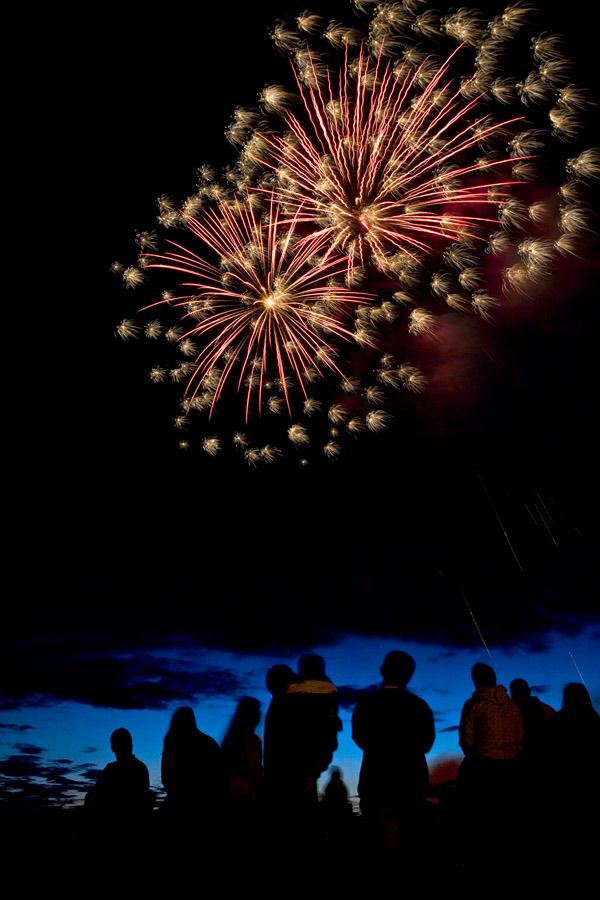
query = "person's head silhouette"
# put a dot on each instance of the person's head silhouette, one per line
(121, 743)
(397, 668)
(483, 676)
(183, 723)
(519, 689)
(311, 666)
(247, 715)
(576, 698)
(279, 677)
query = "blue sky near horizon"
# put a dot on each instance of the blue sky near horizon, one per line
(73, 731)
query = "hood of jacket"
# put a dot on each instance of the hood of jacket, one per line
(496, 694)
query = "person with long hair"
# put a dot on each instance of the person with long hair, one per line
(242, 752)
(191, 767)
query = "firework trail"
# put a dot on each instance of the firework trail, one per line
(577, 669)
(501, 525)
(476, 624)
(423, 165)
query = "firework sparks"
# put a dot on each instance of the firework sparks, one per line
(399, 184)
(269, 311)
(389, 171)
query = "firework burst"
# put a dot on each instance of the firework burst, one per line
(381, 166)
(425, 165)
(271, 309)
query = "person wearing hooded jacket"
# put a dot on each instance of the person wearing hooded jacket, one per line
(490, 735)
(491, 724)
(312, 713)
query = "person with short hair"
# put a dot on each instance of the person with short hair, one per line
(122, 790)
(311, 704)
(395, 729)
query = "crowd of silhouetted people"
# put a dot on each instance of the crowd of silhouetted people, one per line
(523, 793)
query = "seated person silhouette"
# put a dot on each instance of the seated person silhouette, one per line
(122, 790)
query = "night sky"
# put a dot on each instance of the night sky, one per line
(143, 577)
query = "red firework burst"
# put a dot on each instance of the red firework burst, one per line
(381, 166)
(273, 308)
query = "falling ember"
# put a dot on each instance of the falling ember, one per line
(500, 523)
(577, 669)
(476, 624)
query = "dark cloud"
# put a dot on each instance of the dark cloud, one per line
(88, 769)
(29, 749)
(9, 726)
(21, 767)
(448, 729)
(91, 774)
(540, 688)
(439, 716)
(29, 780)
(349, 694)
(87, 672)
(89, 749)
(429, 688)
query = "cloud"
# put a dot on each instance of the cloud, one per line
(10, 726)
(448, 729)
(86, 768)
(21, 767)
(349, 694)
(27, 779)
(400, 554)
(429, 688)
(88, 672)
(29, 749)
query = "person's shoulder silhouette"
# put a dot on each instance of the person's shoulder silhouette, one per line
(191, 764)
(123, 786)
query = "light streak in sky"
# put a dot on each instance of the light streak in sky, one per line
(577, 669)
(475, 623)
(500, 522)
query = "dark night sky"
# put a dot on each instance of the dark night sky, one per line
(123, 536)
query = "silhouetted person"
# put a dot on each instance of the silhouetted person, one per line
(394, 728)
(311, 708)
(491, 725)
(122, 791)
(242, 760)
(574, 748)
(574, 786)
(536, 716)
(277, 737)
(242, 752)
(336, 801)
(490, 735)
(191, 768)
(531, 783)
